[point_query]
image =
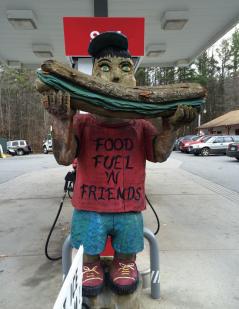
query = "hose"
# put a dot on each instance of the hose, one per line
(156, 215)
(68, 188)
(51, 230)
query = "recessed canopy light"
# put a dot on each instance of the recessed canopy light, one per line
(43, 54)
(174, 20)
(155, 50)
(22, 19)
(155, 53)
(182, 62)
(42, 51)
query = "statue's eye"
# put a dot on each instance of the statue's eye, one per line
(105, 67)
(126, 68)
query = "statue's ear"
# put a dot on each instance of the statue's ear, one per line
(95, 72)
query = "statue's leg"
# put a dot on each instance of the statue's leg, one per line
(127, 257)
(86, 258)
(128, 240)
(87, 229)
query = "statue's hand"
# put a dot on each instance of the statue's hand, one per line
(183, 116)
(58, 104)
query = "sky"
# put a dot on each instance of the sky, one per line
(226, 36)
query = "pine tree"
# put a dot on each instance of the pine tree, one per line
(235, 51)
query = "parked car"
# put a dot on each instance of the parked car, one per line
(184, 142)
(47, 144)
(195, 140)
(176, 143)
(233, 150)
(18, 147)
(201, 139)
(216, 144)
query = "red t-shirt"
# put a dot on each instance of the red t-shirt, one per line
(111, 164)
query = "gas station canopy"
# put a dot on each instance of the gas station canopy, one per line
(176, 31)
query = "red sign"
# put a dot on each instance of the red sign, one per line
(79, 31)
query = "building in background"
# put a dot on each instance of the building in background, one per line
(225, 124)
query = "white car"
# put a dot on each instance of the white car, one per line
(47, 144)
(217, 144)
(18, 147)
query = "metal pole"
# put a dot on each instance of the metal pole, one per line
(154, 264)
(199, 119)
(66, 256)
(101, 8)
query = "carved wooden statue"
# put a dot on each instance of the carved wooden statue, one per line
(111, 148)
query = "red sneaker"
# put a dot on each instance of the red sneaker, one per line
(93, 279)
(124, 276)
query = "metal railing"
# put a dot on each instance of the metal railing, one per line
(154, 261)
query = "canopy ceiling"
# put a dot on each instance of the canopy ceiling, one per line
(206, 21)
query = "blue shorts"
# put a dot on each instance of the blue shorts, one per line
(91, 229)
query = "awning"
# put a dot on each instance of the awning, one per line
(228, 119)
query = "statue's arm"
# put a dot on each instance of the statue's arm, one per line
(167, 131)
(63, 138)
(64, 141)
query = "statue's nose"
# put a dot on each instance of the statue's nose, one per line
(115, 79)
(116, 76)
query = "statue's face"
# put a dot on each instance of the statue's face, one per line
(115, 70)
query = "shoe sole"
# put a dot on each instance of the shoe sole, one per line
(91, 291)
(125, 289)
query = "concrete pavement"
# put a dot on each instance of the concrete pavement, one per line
(198, 239)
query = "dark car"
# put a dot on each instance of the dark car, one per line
(176, 143)
(233, 150)
(18, 147)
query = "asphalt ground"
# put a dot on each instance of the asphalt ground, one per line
(198, 239)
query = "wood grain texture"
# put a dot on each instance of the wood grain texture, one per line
(157, 95)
